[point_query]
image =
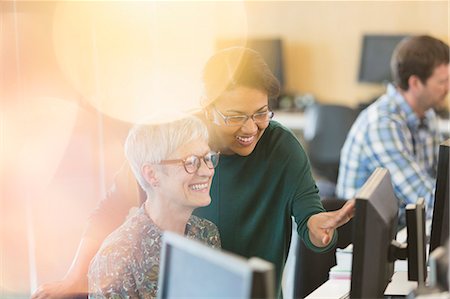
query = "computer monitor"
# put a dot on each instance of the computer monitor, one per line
(376, 55)
(374, 227)
(271, 49)
(190, 269)
(440, 222)
(374, 232)
(416, 242)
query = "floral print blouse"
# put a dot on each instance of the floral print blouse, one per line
(127, 264)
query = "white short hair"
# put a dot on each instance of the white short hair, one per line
(157, 139)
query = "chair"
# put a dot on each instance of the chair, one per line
(325, 132)
(311, 268)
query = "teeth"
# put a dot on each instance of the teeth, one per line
(243, 139)
(199, 186)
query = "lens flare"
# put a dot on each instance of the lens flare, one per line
(129, 59)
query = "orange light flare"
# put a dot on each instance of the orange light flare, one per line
(35, 135)
(129, 59)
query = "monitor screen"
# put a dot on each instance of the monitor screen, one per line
(440, 223)
(271, 49)
(376, 55)
(189, 269)
(375, 226)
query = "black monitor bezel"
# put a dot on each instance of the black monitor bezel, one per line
(416, 242)
(257, 274)
(372, 267)
(441, 206)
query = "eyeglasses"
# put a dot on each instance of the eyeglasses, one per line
(239, 120)
(192, 163)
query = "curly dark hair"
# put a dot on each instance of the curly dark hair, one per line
(237, 66)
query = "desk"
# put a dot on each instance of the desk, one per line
(297, 121)
(338, 286)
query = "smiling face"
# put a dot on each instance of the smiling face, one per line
(186, 189)
(242, 139)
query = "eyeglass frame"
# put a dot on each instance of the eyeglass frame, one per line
(247, 117)
(199, 158)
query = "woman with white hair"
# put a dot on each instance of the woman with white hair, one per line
(174, 166)
(263, 181)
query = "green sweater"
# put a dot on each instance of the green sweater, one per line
(254, 197)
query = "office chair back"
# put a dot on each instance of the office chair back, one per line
(325, 132)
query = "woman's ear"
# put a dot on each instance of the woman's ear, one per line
(149, 174)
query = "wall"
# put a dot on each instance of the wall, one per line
(323, 39)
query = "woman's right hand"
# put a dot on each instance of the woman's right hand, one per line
(322, 226)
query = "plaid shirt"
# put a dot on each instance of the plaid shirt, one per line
(389, 134)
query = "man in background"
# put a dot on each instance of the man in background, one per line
(399, 131)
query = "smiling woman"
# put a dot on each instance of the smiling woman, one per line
(127, 263)
(262, 180)
(244, 123)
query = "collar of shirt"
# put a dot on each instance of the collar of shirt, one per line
(413, 122)
(190, 225)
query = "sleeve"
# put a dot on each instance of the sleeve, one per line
(110, 275)
(113, 209)
(305, 199)
(213, 235)
(391, 148)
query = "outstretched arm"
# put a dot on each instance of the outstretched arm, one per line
(323, 225)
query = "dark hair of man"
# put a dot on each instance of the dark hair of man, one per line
(234, 67)
(419, 56)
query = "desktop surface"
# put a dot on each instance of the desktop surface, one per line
(338, 286)
(399, 287)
